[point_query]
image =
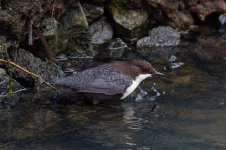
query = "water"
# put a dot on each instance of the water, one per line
(190, 113)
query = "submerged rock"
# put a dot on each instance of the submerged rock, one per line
(92, 11)
(45, 69)
(161, 41)
(183, 78)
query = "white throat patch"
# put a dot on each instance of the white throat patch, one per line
(134, 85)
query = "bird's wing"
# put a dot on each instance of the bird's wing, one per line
(109, 84)
(102, 79)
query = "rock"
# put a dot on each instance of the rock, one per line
(101, 32)
(45, 69)
(77, 29)
(55, 34)
(222, 20)
(117, 48)
(203, 8)
(129, 27)
(49, 26)
(71, 64)
(69, 34)
(92, 11)
(182, 14)
(5, 44)
(17, 89)
(15, 14)
(101, 35)
(173, 13)
(164, 36)
(95, 1)
(161, 41)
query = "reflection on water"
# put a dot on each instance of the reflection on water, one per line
(190, 114)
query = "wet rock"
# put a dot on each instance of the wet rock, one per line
(101, 32)
(17, 89)
(76, 25)
(101, 35)
(164, 36)
(5, 44)
(182, 14)
(45, 69)
(15, 14)
(192, 34)
(69, 34)
(49, 26)
(203, 8)
(162, 41)
(174, 13)
(92, 11)
(117, 48)
(127, 26)
(55, 34)
(222, 20)
(73, 64)
(95, 1)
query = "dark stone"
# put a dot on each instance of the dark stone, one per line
(92, 12)
(17, 89)
(162, 41)
(45, 69)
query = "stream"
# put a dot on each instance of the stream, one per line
(190, 112)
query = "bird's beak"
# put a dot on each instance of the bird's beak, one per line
(158, 73)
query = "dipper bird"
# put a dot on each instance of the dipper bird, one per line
(115, 80)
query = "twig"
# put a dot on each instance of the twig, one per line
(83, 14)
(52, 12)
(55, 122)
(26, 71)
(30, 32)
(44, 42)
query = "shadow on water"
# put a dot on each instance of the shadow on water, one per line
(190, 114)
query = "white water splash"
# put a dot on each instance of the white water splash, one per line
(143, 95)
(172, 58)
(176, 65)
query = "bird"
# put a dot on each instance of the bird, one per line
(110, 81)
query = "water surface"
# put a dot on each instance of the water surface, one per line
(190, 113)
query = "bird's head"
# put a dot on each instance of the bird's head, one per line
(144, 67)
